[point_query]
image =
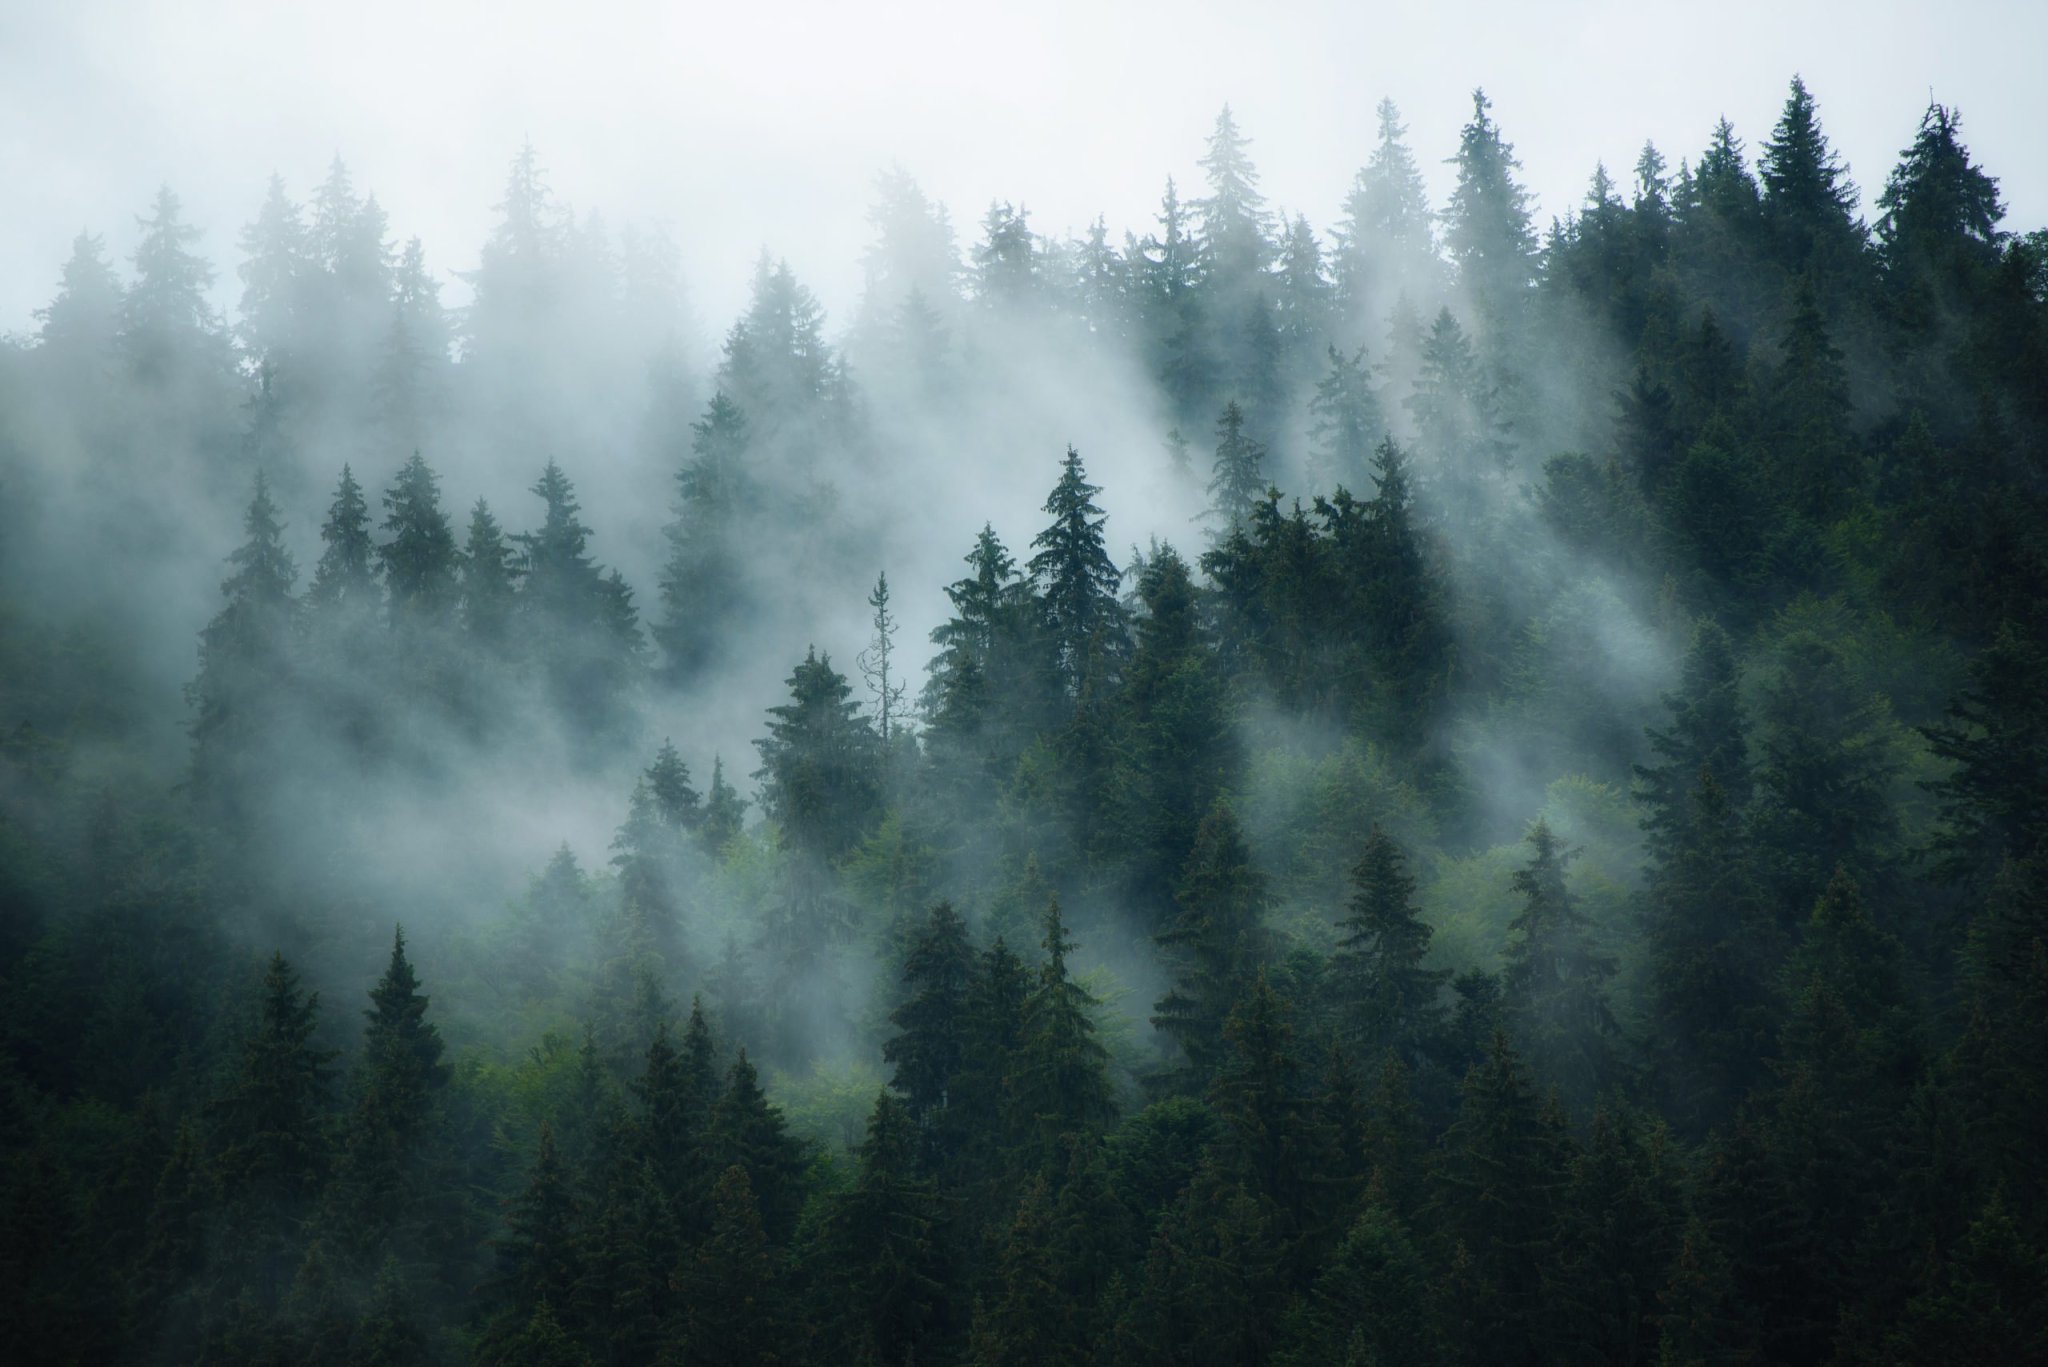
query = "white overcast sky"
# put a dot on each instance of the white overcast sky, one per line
(742, 125)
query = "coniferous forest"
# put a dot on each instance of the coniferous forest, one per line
(1456, 790)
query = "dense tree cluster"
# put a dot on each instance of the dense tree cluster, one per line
(1555, 871)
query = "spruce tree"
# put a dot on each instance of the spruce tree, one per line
(1217, 945)
(1238, 477)
(489, 576)
(1075, 578)
(1060, 1082)
(929, 1047)
(344, 583)
(1554, 985)
(819, 770)
(1386, 240)
(1487, 230)
(731, 1285)
(1386, 1001)
(420, 561)
(245, 660)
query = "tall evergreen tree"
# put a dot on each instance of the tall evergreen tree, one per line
(1386, 241)
(1060, 1083)
(1238, 477)
(929, 1047)
(1487, 230)
(1386, 1000)
(1554, 984)
(420, 560)
(244, 660)
(1217, 944)
(1075, 577)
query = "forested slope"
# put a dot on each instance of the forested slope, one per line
(1487, 804)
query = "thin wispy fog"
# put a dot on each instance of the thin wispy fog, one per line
(1140, 684)
(739, 127)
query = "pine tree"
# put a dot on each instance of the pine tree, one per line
(1217, 945)
(1237, 480)
(345, 579)
(1233, 218)
(275, 272)
(1994, 803)
(818, 763)
(244, 660)
(579, 621)
(78, 330)
(410, 381)
(1809, 202)
(1075, 578)
(398, 1086)
(1031, 1321)
(885, 1297)
(270, 1148)
(724, 810)
(1708, 735)
(1261, 1095)
(701, 584)
(539, 1260)
(1497, 1193)
(731, 1284)
(929, 1047)
(1347, 422)
(1060, 1084)
(1711, 950)
(1554, 982)
(1175, 747)
(875, 662)
(1385, 999)
(1006, 274)
(748, 1131)
(420, 561)
(169, 332)
(1487, 230)
(489, 576)
(1823, 783)
(1386, 241)
(1369, 1304)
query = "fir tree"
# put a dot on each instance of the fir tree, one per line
(1386, 1000)
(1075, 578)
(420, 561)
(1237, 479)
(1554, 983)
(1060, 1083)
(1217, 944)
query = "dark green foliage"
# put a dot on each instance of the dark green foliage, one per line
(1386, 1001)
(885, 1298)
(1823, 778)
(929, 1047)
(1554, 985)
(1217, 943)
(1768, 1088)
(269, 1127)
(1238, 478)
(1075, 578)
(1059, 1084)
(244, 663)
(731, 1286)
(420, 561)
(818, 762)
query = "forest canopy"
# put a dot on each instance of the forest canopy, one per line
(1435, 788)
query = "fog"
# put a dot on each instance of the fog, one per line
(739, 127)
(630, 213)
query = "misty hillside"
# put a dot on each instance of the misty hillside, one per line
(1433, 788)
